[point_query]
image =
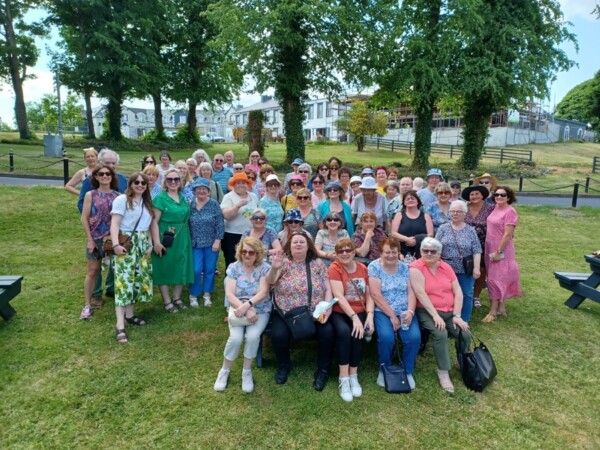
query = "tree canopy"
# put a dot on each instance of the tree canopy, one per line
(582, 103)
(361, 121)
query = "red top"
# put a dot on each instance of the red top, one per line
(438, 286)
(360, 278)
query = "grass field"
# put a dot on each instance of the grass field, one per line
(66, 383)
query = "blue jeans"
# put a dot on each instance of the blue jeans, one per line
(205, 262)
(466, 286)
(410, 338)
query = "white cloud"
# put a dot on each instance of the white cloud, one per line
(578, 8)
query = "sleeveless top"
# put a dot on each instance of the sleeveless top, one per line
(100, 216)
(411, 227)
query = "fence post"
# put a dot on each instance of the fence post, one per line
(410, 148)
(378, 143)
(501, 155)
(142, 163)
(530, 155)
(11, 161)
(451, 151)
(520, 183)
(392, 146)
(575, 194)
(587, 184)
(66, 170)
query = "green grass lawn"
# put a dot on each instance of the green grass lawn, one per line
(66, 383)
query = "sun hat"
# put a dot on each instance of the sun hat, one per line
(295, 178)
(493, 179)
(367, 171)
(333, 185)
(476, 187)
(355, 179)
(369, 183)
(293, 214)
(434, 173)
(239, 176)
(200, 182)
(272, 177)
(297, 162)
(455, 184)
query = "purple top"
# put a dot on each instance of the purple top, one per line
(100, 216)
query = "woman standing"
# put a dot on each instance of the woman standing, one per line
(411, 225)
(260, 187)
(299, 278)
(207, 228)
(334, 168)
(323, 170)
(352, 314)
(265, 234)
(367, 237)
(205, 171)
(91, 159)
(253, 163)
(328, 237)
(503, 270)
(186, 180)
(173, 265)
(95, 218)
(395, 304)
(310, 216)
(165, 162)
(201, 157)
(289, 201)
(439, 211)
(248, 293)
(192, 166)
(459, 240)
(318, 193)
(154, 185)
(291, 224)
(271, 204)
(369, 200)
(345, 175)
(381, 176)
(133, 215)
(237, 207)
(335, 203)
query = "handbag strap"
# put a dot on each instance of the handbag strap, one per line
(360, 295)
(137, 223)
(456, 241)
(397, 345)
(309, 293)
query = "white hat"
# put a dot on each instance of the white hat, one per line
(368, 183)
(272, 177)
(355, 179)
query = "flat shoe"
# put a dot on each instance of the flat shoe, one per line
(489, 318)
(170, 308)
(121, 336)
(134, 320)
(477, 302)
(179, 303)
(445, 382)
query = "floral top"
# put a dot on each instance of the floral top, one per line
(394, 288)
(291, 289)
(359, 240)
(437, 215)
(274, 212)
(479, 222)
(246, 285)
(311, 222)
(394, 206)
(100, 217)
(206, 224)
(324, 242)
(267, 238)
(453, 240)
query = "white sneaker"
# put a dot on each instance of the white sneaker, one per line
(411, 381)
(355, 386)
(247, 381)
(221, 382)
(380, 379)
(194, 302)
(345, 391)
(207, 301)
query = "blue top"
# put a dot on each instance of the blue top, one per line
(267, 239)
(207, 224)
(247, 285)
(394, 288)
(86, 186)
(324, 209)
(437, 215)
(456, 244)
(427, 197)
(222, 178)
(274, 212)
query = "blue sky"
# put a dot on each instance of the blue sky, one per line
(585, 26)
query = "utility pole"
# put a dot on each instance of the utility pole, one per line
(60, 124)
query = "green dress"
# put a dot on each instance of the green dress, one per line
(176, 266)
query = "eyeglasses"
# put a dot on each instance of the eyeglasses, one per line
(173, 180)
(344, 251)
(324, 168)
(248, 252)
(303, 171)
(331, 219)
(303, 197)
(139, 183)
(429, 251)
(296, 183)
(251, 178)
(444, 193)
(456, 212)
(104, 174)
(267, 171)
(295, 222)
(259, 218)
(333, 190)
(485, 182)
(498, 194)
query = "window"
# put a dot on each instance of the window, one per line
(319, 110)
(328, 109)
(275, 115)
(244, 118)
(310, 112)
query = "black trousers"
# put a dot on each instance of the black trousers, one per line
(281, 338)
(349, 348)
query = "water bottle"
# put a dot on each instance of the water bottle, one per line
(368, 334)
(409, 258)
(404, 320)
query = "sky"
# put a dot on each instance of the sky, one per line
(584, 25)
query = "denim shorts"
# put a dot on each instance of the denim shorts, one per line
(97, 254)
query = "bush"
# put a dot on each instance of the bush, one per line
(184, 136)
(155, 135)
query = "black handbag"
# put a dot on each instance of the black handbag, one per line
(299, 320)
(167, 239)
(477, 367)
(468, 265)
(394, 376)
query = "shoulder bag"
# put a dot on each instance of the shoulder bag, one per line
(477, 367)
(124, 239)
(236, 321)
(394, 375)
(467, 261)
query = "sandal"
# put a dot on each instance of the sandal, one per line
(477, 302)
(489, 318)
(179, 303)
(134, 320)
(445, 381)
(170, 308)
(121, 336)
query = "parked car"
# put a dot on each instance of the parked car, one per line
(212, 137)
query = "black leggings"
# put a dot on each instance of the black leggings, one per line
(281, 339)
(349, 348)
(228, 244)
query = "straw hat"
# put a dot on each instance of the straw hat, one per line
(492, 178)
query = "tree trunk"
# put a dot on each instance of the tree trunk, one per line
(87, 95)
(293, 116)
(114, 118)
(191, 119)
(15, 74)
(476, 120)
(360, 143)
(255, 126)
(158, 118)
(424, 113)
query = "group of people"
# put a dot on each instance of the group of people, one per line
(398, 257)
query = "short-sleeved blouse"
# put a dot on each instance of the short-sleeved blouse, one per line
(479, 222)
(359, 240)
(131, 215)
(291, 289)
(438, 286)
(206, 224)
(267, 239)
(274, 212)
(438, 217)
(324, 242)
(394, 288)
(246, 285)
(360, 280)
(456, 244)
(311, 222)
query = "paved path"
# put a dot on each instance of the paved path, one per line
(20, 181)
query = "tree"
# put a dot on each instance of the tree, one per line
(17, 53)
(361, 121)
(582, 103)
(256, 119)
(43, 115)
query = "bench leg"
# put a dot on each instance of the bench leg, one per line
(574, 301)
(7, 311)
(259, 362)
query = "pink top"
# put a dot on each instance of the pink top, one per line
(438, 286)
(253, 167)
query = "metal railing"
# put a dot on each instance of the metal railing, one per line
(596, 164)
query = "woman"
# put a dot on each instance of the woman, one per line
(266, 235)
(165, 162)
(238, 167)
(327, 238)
(477, 215)
(355, 183)
(95, 218)
(381, 177)
(456, 190)
(154, 184)
(91, 159)
(323, 170)
(335, 203)
(192, 166)
(291, 274)
(270, 203)
(395, 304)
(237, 207)
(248, 293)
(334, 167)
(502, 268)
(289, 201)
(439, 305)
(393, 174)
(490, 182)
(207, 228)
(186, 180)
(201, 157)
(411, 225)
(310, 216)
(291, 224)
(253, 163)
(259, 188)
(205, 171)
(318, 193)
(351, 316)
(345, 175)
(148, 160)
(173, 264)
(369, 200)
(132, 214)
(439, 210)
(459, 240)
(367, 237)
(394, 202)
(305, 172)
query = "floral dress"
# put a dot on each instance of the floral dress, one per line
(246, 285)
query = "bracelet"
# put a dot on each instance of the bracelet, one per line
(457, 315)
(353, 316)
(370, 312)
(410, 311)
(250, 303)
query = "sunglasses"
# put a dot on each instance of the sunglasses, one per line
(344, 251)
(498, 194)
(104, 174)
(139, 183)
(303, 171)
(173, 180)
(429, 251)
(324, 168)
(331, 219)
(218, 160)
(315, 182)
(444, 193)
(239, 169)
(485, 182)
(248, 252)
(259, 218)
(295, 222)
(333, 190)
(333, 168)
(303, 197)
(272, 184)
(296, 184)
(267, 171)
(251, 178)
(150, 162)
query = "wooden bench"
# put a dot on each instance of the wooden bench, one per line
(10, 287)
(582, 285)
